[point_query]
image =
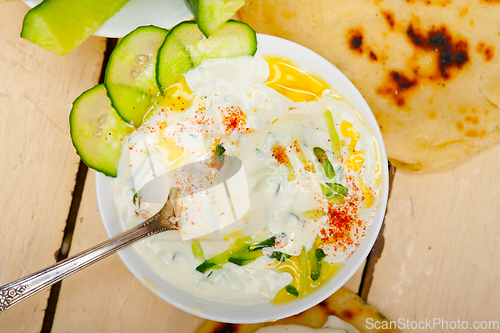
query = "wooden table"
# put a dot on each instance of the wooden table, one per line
(440, 258)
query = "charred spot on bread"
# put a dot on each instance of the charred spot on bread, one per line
(355, 39)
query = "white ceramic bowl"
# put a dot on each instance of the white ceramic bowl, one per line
(236, 313)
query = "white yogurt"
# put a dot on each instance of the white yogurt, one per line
(234, 107)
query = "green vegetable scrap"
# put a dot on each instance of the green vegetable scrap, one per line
(219, 156)
(265, 243)
(334, 136)
(242, 253)
(326, 190)
(197, 250)
(340, 189)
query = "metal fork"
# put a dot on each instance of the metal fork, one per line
(165, 219)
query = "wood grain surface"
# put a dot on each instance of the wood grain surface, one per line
(38, 163)
(442, 245)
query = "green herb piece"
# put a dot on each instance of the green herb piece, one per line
(324, 161)
(327, 191)
(219, 157)
(280, 256)
(197, 250)
(292, 290)
(315, 255)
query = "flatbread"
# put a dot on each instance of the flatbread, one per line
(344, 304)
(428, 68)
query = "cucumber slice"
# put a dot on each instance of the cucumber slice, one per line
(211, 14)
(186, 47)
(61, 26)
(97, 131)
(131, 73)
(133, 102)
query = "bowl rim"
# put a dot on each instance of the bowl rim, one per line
(260, 312)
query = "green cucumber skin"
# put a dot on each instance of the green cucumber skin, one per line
(210, 15)
(91, 116)
(173, 58)
(132, 97)
(179, 51)
(48, 23)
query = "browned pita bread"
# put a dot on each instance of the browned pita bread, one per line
(428, 68)
(344, 304)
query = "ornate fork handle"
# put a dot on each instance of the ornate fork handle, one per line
(17, 291)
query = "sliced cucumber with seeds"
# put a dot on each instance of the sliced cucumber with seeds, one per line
(131, 73)
(186, 47)
(97, 131)
(211, 14)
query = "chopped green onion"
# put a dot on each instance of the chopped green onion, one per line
(265, 243)
(327, 191)
(280, 256)
(315, 255)
(244, 258)
(334, 136)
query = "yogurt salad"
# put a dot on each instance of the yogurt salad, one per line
(301, 202)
